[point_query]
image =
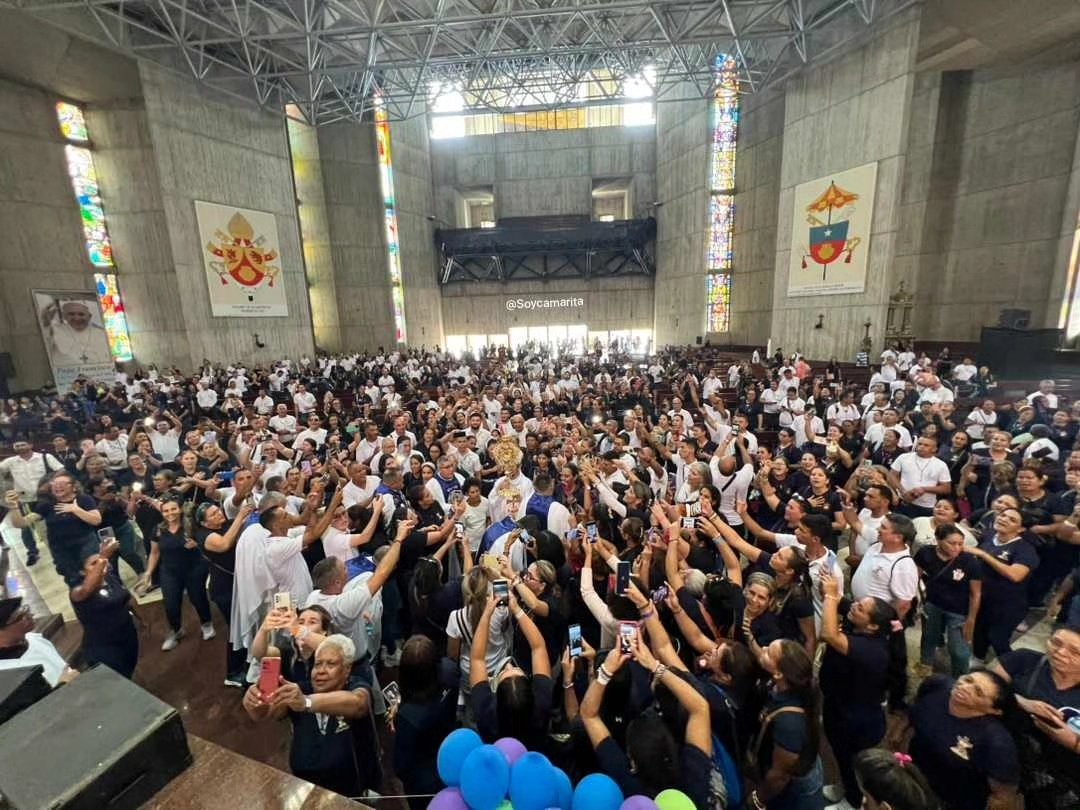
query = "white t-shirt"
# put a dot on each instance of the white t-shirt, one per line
(336, 543)
(977, 422)
(964, 372)
(875, 435)
(922, 472)
(352, 494)
(39, 650)
(827, 562)
(166, 445)
(500, 635)
(891, 576)
(285, 425)
(279, 468)
(733, 488)
(353, 611)
(287, 566)
(869, 534)
(475, 520)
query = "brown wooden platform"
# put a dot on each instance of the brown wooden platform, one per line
(219, 778)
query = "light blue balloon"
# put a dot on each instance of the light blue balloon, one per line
(597, 791)
(565, 791)
(485, 777)
(458, 744)
(533, 783)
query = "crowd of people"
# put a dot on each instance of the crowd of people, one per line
(681, 573)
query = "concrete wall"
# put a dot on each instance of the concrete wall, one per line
(682, 186)
(415, 200)
(43, 241)
(757, 187)
(843, 114)
(992, 182)
(219, 151)
(354, 211)
(315, 234)
(613, 303)
(537, 173)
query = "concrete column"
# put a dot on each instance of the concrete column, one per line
(315, 235)
(682, 142)
(354, 212)
(843, 114)
(222, 151)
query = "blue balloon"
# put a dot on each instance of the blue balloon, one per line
(597, 791)
(534, 784)
(458, 744)
(485, 777)
(565, 790)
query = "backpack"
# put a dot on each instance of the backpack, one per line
(723, 763)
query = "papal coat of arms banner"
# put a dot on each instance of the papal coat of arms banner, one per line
(242, 257)
(830, 240)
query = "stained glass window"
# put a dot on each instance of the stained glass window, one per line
(112, 316)
(718, 302)
(72, 123)
(393, 248)
(84, 182)
(720, 254)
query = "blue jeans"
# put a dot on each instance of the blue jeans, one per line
(940, 626)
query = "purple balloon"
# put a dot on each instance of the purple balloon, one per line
(638, 803)
(511, 749)
(448, 799)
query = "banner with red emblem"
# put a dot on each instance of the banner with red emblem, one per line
(243, 267)
(830, 240)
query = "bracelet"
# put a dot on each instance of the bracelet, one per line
(518, 614)
(658, 673)
(602, 670)
(754, 800)
(675, 612)
(602, 677)
(649, 613)
(568, 685)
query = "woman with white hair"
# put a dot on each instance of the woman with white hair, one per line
(333, 736)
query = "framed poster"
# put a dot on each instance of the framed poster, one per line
(830, 240)
(240, 250)
(75, 339)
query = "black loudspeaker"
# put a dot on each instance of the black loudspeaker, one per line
(21, 688)
(99, 743)
(1014, 319)
(7, 365)
(1019, 353)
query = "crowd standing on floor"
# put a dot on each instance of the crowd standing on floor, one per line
(680, 574)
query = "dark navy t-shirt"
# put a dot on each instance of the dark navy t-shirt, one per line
(854, 684)
(958, 755)
(948, 584)
(998, 592)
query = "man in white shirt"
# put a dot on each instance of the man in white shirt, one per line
(264, 404)
(314, 431)
(283, 424)
(361, 487)
(790, 407)
(273, 465)
(113, 445)
(920, 478)
(733, 484)
(770, 405)
(964, 370)
(476, 428)
(890, 420)
(368, 445)
(865, 525)
(38, 650)
(304, 402)
(887, 570)
(1046, 391)
(165, 438)
(843, 410)
(934, 392)
(712, 384)
(27, 470)
(981, 418)
(206, 397)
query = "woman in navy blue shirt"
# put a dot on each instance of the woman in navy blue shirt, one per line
(855, 676)
(961, 744)
(1007, 562)
(953, 583)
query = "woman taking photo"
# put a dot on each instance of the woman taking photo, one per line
(537, 592)
(784, 752)
(104, 607)
(1007, 562)
(219, 550)
(1047, 685)
(822, 499)
(183, 568)
(856, 670)
(961, 744)
(953, 582)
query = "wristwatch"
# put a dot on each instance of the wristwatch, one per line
(307, 703)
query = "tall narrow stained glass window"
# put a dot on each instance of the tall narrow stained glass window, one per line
(720, 253)
(84, 182)
(393, 247)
